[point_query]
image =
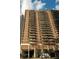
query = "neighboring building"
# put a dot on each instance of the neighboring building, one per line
(39, 34)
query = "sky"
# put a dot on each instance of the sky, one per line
(50, 4)
(39, 5)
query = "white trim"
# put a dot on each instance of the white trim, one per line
(25, 44)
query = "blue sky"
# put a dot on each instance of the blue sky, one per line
(39, 5)
(50, 4)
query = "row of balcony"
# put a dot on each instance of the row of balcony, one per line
(45, 27)
(32, 27)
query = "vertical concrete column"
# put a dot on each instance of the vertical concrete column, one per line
(34, 52)
(54, 47)
(42, 48)
(28, 51)
(25, 37)
(48, 47)
(20, 51)
(52, 24)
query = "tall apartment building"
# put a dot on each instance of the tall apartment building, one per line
(39, 34)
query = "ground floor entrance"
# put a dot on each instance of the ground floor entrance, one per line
(39, 53)
(42, 51)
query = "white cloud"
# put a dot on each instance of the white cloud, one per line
(57, 7)
(57, 0)
(38, 5)
(28, 5)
